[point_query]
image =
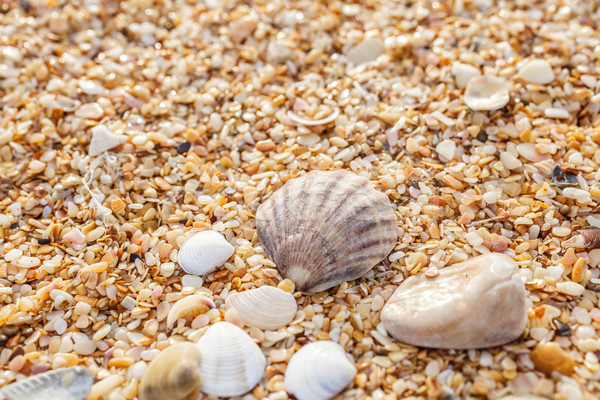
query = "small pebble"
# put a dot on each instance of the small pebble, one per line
(183, 147)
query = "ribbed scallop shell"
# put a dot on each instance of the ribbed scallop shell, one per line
(174, 374)
(266, 307)
(232, 363)
(204, 252)
(326, 228)
(318, 371)
(62, 384)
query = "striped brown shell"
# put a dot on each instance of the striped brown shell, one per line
(325, 228)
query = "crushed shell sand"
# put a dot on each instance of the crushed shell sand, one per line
(221, 103)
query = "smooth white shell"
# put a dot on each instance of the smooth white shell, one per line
(103, 139)
(232, 363)
(266, 307)
(486, 93)
(62, 384)
(537, 71)
(319, 371)
(190, 305)
(463, 73)
(204, 252)
(366, 51)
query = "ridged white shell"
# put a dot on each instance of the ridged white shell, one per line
(319, 371)
(62, 384)
(325, 228)
(266, 307)
(232, 363)
(174, 374)
(103, 139)
(204, 252)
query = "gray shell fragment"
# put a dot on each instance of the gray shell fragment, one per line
(72, 383)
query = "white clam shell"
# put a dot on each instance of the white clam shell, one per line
(62, 384)
(267, 307)
(204, 252)
(319, 371)
(190, 305)
(537, 71)
(486, 93)
(232, 363)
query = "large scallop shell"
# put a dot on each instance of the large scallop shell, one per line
(326, 228)
(204, 252)
(62, 384)
(318, 371)
(267, 307)
(232, 363)
(174, 374)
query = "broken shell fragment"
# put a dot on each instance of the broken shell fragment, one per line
(72, 383)
(587, 238)
(232, 363)
(474, 304)
(190, 306)
(537, 71)
(486, 93)
(103, 139)
(326, 228)
(266, 307)
(174, 374)
(204, 252)
(561, 178)
(366, 51)
(550, 357)
(319, 371)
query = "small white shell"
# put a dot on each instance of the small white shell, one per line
(319, 371)
(62, 384)
(204, 252)
(486, 93)
(267, 307)
(537, 71)
(190, 305)
(232, 364)
(103, 139)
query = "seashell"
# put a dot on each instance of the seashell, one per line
(587, 238)
(204, 252)
(189, 306)
(537, 71)
(174, 374)
(232, 363)
(463, 73)
(484, 93)
(474, 304)
(529, 152)
(550, 357)
(561, 178)
(366, 51)
(72, 383)
(266, 307)
(103, 139)
(325, 228)
(319, 371)
(522, 397)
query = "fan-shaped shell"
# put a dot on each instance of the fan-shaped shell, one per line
(326, 228)
(318, 371)
(267, 307)
(232, 363)
(204, 252)
(62, 384)
(174, 374)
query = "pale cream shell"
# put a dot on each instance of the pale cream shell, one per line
(174, 374)
(486, 92)
(189, 306)
(72, 383)
(232, 363)
(266, 307)
(325, 228)
(204, 252)
(318, 371)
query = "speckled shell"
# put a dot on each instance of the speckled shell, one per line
(174, 374)
(232, 363)
(62, 384)
(318, 371)
(325, 228)
(266, 307)
(204, 252)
